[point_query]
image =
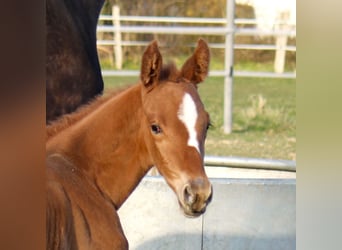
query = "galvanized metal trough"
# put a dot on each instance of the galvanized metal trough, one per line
(245, 213)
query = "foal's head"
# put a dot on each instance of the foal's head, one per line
(177, 124)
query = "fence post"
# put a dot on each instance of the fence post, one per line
(281, 42)
(229, 68)
(117, 37)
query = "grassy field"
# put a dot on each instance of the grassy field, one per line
(264, 116)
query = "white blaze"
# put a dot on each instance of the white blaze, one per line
(187, 113)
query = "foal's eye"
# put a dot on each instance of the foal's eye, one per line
(155, 129)
(209, 125)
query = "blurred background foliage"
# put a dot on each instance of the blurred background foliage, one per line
(174, 44)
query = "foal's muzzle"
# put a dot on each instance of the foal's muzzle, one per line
(195, 197)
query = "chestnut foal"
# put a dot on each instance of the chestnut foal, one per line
(98, 155)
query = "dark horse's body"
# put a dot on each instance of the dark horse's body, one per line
(73, 74)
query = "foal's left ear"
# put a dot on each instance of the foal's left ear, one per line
(151, 64)
(196, 68)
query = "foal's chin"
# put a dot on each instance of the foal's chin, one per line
(192, 214)
(188, 212)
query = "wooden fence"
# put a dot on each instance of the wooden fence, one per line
(228, 29)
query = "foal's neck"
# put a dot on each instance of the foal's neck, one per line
(109, 145)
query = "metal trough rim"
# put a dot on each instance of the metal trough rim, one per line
(232, 181)
(246, 162)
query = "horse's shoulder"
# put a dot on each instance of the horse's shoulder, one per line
(73, 202)
(60, 232)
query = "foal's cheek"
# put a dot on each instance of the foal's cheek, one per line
(162, 146)
(168, 151)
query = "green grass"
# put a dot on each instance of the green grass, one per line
(264, 116)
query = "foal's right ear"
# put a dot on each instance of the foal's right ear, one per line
(151, 64)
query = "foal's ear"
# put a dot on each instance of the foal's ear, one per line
(151, 64)
(196, 68)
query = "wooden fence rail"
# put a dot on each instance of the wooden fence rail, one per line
(219, 27)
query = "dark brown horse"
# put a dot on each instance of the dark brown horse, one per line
(73, 74)
(97, 156)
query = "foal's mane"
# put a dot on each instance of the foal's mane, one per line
(68, 120)
(168, 72)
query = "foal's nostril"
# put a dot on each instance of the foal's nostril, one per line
(195, 197)
(189, 196)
